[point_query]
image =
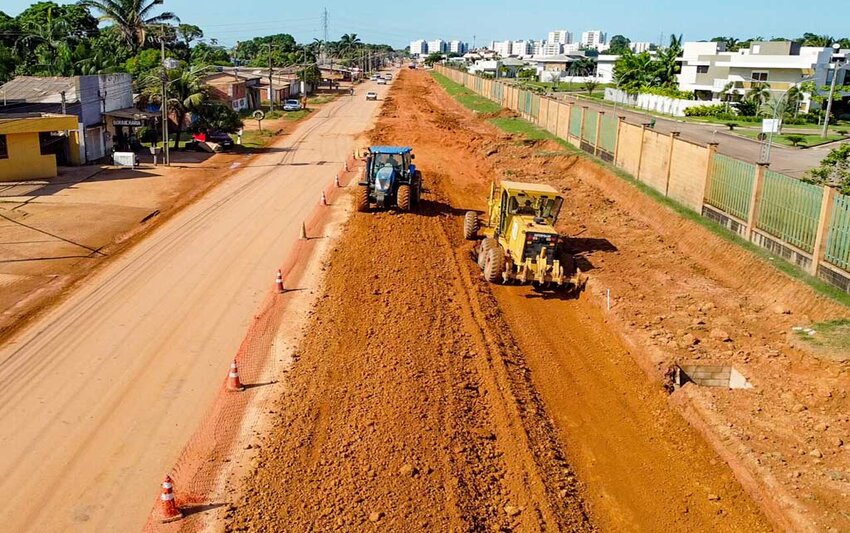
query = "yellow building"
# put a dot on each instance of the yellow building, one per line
(28, 144)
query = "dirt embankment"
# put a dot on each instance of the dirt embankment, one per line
(679, 294)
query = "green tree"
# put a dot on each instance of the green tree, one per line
(46, 39)
(732, 44)
(186, 93)
(812, 39)
(633, 72)
(433, 57)
(203, 54)
(132, 17)
(618, 45)
(214, 116)
(834, 170)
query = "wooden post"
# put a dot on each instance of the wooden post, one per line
(819, 251)
(640, 152)
(598, 129)
(673, 136)
(752, 214)
(620, 120)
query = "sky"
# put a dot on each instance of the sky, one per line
(397, 23)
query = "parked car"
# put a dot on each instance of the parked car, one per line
(382, 81)
(291, 105)
(371, 95)
(216, 140)
(373, 77)
(388, 76)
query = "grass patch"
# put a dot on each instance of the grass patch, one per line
(321, 99)
(521, 127)
(818, 285)
(831, 335)
(465, 97)
(808, 140)
(256, 138)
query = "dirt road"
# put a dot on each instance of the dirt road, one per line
(425, 399)
(99, 395)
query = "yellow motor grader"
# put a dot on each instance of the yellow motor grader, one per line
(520, 242)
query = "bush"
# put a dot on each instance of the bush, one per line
(669, 92)
(796, 140)
(706, 111)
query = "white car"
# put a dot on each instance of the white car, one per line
(371, 95)
(373, 77)
(291, 105)
(382, 81)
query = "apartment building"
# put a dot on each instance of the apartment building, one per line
(551, 49)
(708, 69)
(502, 48)
(560, 37)
(522, 48)
(458, 47)
(438, 45)
(640, 47)
(595, 39)
(418, 48)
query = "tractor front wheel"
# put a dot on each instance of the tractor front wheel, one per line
(470, 225)
(361, 200)
(495, 264)
(404, 197)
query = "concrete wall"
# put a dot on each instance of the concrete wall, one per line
(25, 161)
(688, 173)
(655, 160)
(629, 147)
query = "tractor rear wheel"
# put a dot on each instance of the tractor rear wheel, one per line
(470, 225)
(361, 200)
(404, 197)
(495, 265)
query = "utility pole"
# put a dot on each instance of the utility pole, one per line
(164, 105)
(271, 77)
(64, 103)
(835, 71)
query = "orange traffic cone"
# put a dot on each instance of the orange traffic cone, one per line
(303, 235)
(324, 199)
(168, 507)
(346, 165)
(278, 281)
(233, 383)
(336, 181)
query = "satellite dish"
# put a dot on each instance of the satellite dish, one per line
(259, 114)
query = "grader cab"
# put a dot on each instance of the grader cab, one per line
(520, 242)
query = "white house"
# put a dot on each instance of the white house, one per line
(605, 68)
(708, 69)
(640, 47)
(594, 39)
(418, 48)
(560, 37)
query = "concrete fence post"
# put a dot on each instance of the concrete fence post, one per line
(755, 198)
(581, 128)
(598, 130)
(822, 236)
(709, 171)
(673, 136)
(620, 120)
(640, 152)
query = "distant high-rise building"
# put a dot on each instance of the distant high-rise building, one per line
(418, 48)
(458, 47)
(593, 39)
(522, 48)
(503, 48)
(640, 47)
(560, 37)
(438, 45)
(552, 49)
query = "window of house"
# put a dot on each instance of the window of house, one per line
(759, 76)
(702, 69)
(4, 148)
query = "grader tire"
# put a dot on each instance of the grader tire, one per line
(470, 225)
(404, 197)
(495, 265)
(361, 200)
(486, 245)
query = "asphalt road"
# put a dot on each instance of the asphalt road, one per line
(99, 396)
(789, 161)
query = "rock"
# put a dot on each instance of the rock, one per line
(836, 475)
(837, 442)
(408, 470)
(374, 517)
(822, 426)
(713, 498)
(779, 309)
(720, 335)
(511, 510)
(816, 453)
(799, 408)
(688, 340)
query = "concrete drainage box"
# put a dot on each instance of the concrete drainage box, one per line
(706, 375)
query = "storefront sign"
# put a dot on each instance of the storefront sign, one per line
(126, 122)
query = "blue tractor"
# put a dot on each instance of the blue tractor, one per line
(391, 179)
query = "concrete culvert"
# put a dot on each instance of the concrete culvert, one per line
(707, 375)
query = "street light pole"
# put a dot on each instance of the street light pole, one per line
(166, 156)
(838, 67)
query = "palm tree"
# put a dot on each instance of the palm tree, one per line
(186, 93)
(49, 41)
(759, 93)
(349, 42)
(633, 72)
(727, 92)
(132, 17)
